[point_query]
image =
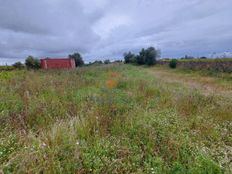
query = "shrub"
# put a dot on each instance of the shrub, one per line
(32, 63)
(78, 59)
(173, 63)
(107, 61)
(96, 62)
(18, 65)
(129, 57)
(6, 68)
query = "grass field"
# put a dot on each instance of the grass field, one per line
(6, 68)
(204, 60)
(115, 119)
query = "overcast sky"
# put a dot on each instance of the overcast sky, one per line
(101, 29)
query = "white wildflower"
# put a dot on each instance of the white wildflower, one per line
(43, 145)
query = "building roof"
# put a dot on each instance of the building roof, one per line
(48, 58)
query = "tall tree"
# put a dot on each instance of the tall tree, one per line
(78, 59)
(151, 54)
(146, 56)
(140, 59)
(32, 63)
(129, 57)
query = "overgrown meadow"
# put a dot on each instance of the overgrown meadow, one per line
(110, 119)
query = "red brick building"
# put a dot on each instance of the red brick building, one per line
(54, 63)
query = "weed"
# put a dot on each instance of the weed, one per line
(111, 119)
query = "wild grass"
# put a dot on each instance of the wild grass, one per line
(110, 119)
(204, 60)
(211, 78)
(6, 68)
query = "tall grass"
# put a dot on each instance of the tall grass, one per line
(110, 119)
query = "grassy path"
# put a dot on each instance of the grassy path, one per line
(208, 85)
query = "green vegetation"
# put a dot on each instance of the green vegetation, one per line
(78, 59)
(32, 63)
(18, 65)
(146, 57)
(221, 76)
(210, 65)
(202, 60)
(129, 58)
(6, 68)
(208, 60)
(107, 61)
(173, 63)
(110, 119)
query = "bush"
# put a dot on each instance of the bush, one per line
(173, 63)
(18, 65)
(129, 58)
(32, 63)
(96, 62)
(107, 61)
(78, 59)
(6, 68)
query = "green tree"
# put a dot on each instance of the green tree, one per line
(151, 54)
(32, 63)
(148, 56)
(78, 59)
(129, 58)
(140, 59)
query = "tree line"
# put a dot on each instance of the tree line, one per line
(145, 57)
(34, 63)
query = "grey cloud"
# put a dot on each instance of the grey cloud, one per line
(105, 29)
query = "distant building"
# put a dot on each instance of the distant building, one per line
(54, 63)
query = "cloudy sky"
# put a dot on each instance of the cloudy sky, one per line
(101, 29)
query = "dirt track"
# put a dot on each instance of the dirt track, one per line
(207, 85)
